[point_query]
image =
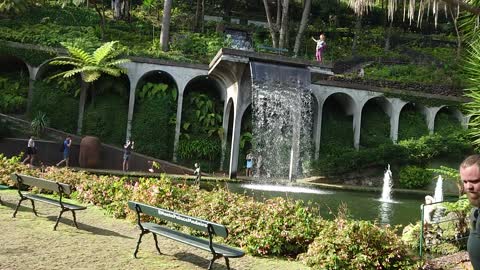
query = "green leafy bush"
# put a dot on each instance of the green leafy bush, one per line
(349, 244)
(152, 128)
(56, 100)
(411, 124)
(39, 123)
(13, 93)
(106, 118)
(414, 177)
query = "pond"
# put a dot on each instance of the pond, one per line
(405, 208)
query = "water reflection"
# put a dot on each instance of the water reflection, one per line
(292, 189)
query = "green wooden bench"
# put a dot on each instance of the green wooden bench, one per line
(211, 228)
(271, 49)
(2, 187)
(60, 188)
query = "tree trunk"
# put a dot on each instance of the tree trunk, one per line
(102, 19)
(196, 22)
(81, 105)
(165, 33)
(271, 27)
(457, 31)
(227, 10)
(284, 25)
(202, 16)
(388, 36)
(117, 9)
(303, 25)
(358, 28)
(279, 14)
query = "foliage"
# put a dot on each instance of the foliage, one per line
(446, 123)
(91, 65)
(13, 6)
(350, 244)
(39, 123)
(412, 124)
(375, 127)
(5, 130)
(151, 90)
(473, 92)
(413, 151)
(414, 177)
(13, 93)
(152, 128)
(55, 99)
(196, 44)
(201, 148)
(106, 118)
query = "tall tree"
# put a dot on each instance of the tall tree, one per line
(303, 24)
(271, 26)
(284, 24)
(90, 66)
(165, 33)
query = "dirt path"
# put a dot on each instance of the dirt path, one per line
(102, 242)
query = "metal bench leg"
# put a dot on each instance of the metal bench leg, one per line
(18, 206)
(156, 243)
(58, 219)
(227, 263)
(33, 207)
(138, 243)
(1, 202)
(74, 219)
(215, 256)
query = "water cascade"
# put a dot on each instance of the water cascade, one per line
(281, 120)
(387, 186)
(438, 195)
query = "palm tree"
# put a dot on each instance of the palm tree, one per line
(90, 66)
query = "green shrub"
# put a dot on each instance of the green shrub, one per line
(375, 127)
(412, 124)
(414, 177)
(152, 128)
(13, 93)
(349, 244)
(56, 100)
(106, 118)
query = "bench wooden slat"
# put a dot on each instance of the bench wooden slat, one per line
(53, 201)
(195, 223)
(197, 242)
(4, 187)
(42, 183)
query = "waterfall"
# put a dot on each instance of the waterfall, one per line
(438, 196)
(281, 120)
(387, 186)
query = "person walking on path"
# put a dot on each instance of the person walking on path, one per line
(321, 46)
(249, 159)
(31, 151)
(470, 176)
(66, 151)
(127, 151)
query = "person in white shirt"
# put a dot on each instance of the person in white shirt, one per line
(31, 151)
(321, 46)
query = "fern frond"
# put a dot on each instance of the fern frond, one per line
(78, 53)
(103, 51)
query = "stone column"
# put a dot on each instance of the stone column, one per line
(237, 124)
(226, 117)
(430, 113)
(397, 105)
(357, 124)
(131, 105)
(317, 133)
(32, 71)
(178, 121)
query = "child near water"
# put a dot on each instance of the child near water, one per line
(321, 46)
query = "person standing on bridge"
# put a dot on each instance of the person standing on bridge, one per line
(321, 46)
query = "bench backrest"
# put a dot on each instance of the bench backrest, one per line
(184, 220)
(41, 183)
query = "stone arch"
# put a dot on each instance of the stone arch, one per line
(375, 126)
(154, 101)
(412, 123)
(15, 73)
(201, 121)
(106, 109)
(337, 118)
(446, 119)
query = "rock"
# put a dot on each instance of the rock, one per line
(89, 152)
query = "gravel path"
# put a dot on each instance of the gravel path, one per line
(101, 242)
